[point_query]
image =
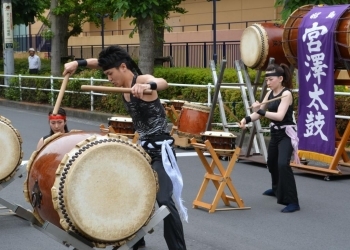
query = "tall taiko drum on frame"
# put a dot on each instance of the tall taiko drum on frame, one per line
(100, 186)
(342, 37)
(260, 42)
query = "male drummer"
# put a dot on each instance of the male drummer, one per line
(149, 119)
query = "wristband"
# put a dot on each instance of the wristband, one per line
(248, 119)
(82, 63)
(153, 85)
(261, 112)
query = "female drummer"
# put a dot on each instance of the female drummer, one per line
(283, 135)
(58, 123)
(149, 119)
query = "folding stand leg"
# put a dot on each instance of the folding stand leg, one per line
(68, 238)
(220, 180)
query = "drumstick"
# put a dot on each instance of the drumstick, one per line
(60, 94)
(111, 89)
(230, 111)
(274, 99)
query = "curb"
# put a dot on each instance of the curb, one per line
(77, 113)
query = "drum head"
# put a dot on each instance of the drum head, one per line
(11, 149)
(108, 188)
(218, 134)
(197, 107)
(254, 46)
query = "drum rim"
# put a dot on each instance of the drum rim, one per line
(120, 119)
(65, 217)
(218, 134)
(198, 107)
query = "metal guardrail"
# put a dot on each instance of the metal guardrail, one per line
(92, 80)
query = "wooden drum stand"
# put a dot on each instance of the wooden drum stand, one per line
(220, 180)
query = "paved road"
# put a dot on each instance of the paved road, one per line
(323, 222)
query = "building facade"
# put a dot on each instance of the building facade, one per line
(232, 16)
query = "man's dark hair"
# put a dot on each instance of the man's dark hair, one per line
(114, 56)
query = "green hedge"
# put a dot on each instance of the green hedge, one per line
(112, 103)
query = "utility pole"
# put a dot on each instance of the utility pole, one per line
(215, 56)
(9, 65)
(102, 27)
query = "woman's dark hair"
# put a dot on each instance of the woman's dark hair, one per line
(114, 56)
(62, 112)
(284, 70)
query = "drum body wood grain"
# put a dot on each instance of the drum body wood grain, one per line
(100, 186)
(261, 41)
(193, 120)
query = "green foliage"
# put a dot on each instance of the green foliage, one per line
(289, 6)
(25, 12)
(21, 66)
(158, 10)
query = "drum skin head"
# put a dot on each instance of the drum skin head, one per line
(219, 134)
(254, 46)
(11, 149)
(109, 188)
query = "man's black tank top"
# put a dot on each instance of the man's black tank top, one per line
(149, 118)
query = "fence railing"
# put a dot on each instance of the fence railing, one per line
(183, 28)
(189, 54)
(91, 81)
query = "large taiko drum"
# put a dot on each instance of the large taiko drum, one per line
(99, 186)
(290, 37)
(260, 42)
(10, 149)
(192, 120)
(121, 125)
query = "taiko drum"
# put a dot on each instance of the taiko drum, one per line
(99, 186)
(260, 42)
(342, 37)
(11, 149)
(193, 120)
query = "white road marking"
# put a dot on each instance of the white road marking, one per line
(189, 154)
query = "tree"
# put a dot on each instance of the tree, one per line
(25, 12)
(149, 15)
(291, 5)
(66, 20)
